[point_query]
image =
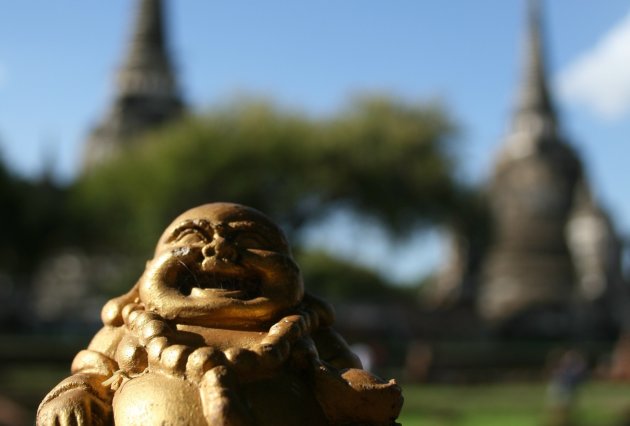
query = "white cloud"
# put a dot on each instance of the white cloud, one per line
(600, 78)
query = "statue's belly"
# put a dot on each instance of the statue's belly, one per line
(153, 399)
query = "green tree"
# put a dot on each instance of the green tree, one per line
(32, 216)
(380, 158)
(338, 280)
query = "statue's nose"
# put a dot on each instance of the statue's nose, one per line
(220, 248)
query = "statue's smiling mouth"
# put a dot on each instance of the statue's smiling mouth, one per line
(213, 284)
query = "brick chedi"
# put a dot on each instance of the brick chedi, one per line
(531, 196)
(552, 267)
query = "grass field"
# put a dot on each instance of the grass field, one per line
(501, 404)
(598, 404)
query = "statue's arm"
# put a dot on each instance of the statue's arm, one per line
(347, 393)
(333, 349)
(82, 399)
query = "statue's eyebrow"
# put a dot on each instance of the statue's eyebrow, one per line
(245, 224)
(249, 225)
(201, 226)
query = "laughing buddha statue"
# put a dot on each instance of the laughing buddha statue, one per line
(219, 331)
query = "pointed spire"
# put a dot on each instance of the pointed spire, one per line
(149, 28)
(147, 69)
(146, 94)
(535, 112)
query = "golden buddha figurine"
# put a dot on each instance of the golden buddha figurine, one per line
(219, 331)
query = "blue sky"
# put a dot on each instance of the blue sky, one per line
(58, 58)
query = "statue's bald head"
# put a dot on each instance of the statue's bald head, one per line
(222, 264)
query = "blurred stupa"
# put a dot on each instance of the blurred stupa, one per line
(146, 95)
(552, 265)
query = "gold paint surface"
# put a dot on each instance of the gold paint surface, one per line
(219, 331)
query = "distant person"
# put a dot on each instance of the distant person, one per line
(568, 375)
(620, 362)
(419, 361)
(624, 419)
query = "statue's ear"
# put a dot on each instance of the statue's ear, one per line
(111, 314)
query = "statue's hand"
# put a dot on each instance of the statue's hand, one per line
(276, 348)
(74, 407)
(356, 397)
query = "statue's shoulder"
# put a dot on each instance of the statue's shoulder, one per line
(106, 340)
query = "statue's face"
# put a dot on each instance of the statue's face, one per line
(222, 264)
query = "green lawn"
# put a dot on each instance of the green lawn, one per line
(598, 404)
(504, 404)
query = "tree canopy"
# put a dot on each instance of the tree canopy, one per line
(32, 215)
(380, 157)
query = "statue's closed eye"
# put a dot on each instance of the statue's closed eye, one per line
(190, 236)
(252, 240)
